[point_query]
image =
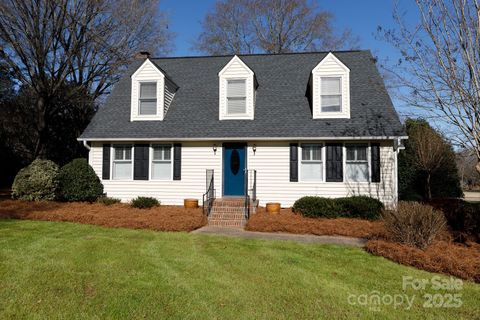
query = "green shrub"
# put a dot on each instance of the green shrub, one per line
(79, 182)
(414, 224)
(349, 207)
(360, 207)
(317, 207)
(108, 201)
(144, 202)
(38, 181)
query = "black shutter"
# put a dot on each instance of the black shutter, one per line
(293, 162)
(106, 162)
(375, 150)
(177, 161)
(334, 163)
(140, 163)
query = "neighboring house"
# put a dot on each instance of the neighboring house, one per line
(306, 123)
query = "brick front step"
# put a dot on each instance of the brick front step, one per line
(228, 212)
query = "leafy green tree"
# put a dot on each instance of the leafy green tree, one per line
(427, 167)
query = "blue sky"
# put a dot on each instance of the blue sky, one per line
(361, 16)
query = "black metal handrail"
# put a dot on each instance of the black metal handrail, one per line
(209, 195)
(250, 193)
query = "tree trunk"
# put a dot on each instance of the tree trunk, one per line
(478, 167)
(427, 187)
(40, 150)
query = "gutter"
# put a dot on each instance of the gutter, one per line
(397, 138)
(85, 144)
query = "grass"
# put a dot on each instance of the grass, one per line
(71, 271)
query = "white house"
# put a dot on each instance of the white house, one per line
(281, 126)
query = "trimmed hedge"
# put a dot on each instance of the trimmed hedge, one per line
(38, 181)
(351, 207)
(79, 182)
(145, 202)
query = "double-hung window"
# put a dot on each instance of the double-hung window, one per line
(331, 94)
(122, 162)
(357, 163)
(236, 97)
(311, 162)
(147, 102)
(161, 162)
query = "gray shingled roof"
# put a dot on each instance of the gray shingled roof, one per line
(281, 110)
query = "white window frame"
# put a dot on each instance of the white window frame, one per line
(150, 156)
(233, 115)
(320, 93)
(112, 160)
(140, 98)
(300, 158)
(369, 170)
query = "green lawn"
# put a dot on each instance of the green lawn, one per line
(70, 271)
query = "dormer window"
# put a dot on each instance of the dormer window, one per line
(148, 93)
(148, 98)
(236, 97)
(237, 87)
(330, 89)
(331, 94)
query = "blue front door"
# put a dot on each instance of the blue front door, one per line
(234, 169)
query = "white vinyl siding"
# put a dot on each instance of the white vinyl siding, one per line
(331, 94)
(161, 162)
(148, 98)
(356, 166)
(122, 165)
(271, 159)
(236, 97)
(311, 163)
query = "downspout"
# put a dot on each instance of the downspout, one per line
(85, 144)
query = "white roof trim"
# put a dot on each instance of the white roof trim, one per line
(147, 61)
(331, 55)
(246, 138)
(235, 58)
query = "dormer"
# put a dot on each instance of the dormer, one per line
(237, 86)
(151, 94)
(330, 89)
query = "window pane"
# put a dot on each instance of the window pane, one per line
(331, 103)
(362, 153)
(350, 153)
(357, 172)
(122, 170)
(148, 90)
(161, 170)
(236, 106)
(311, 171)
(316, 153)
(118, 153)
(166, 153)
(148, 107)
(236, 88)
(306, 152)
(330, 86)
(157, 153)
(128, 153)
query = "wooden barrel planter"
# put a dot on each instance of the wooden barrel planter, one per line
(273, 207)
(190, 203)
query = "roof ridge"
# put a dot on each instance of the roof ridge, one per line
(260, 54)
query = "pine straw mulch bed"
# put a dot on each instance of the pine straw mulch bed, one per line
(287, 221)
(162, 218)
(443, 256)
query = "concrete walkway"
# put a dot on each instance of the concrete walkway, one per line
(306, 238)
